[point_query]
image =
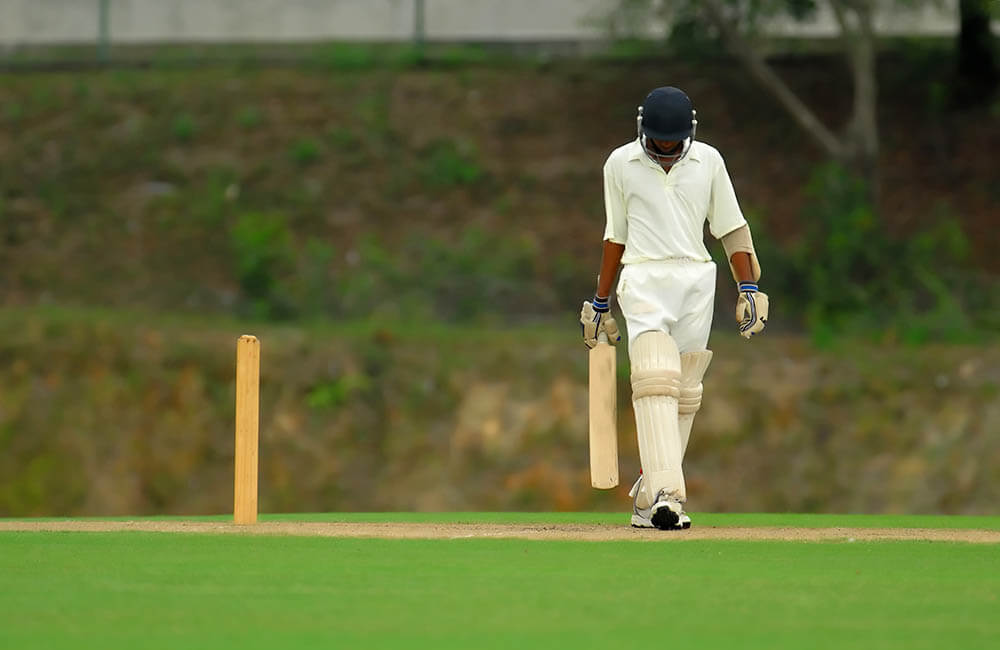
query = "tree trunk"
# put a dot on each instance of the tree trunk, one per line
(977, 74)
(855, 19)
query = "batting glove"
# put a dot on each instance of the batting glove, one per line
(751, 309)
(595, 317)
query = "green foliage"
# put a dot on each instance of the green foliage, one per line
(343, 138)
(305, 151)
(847, 274)
(81, 89)
(629, 20)
(262, 246)
(937, 97)
(462, 55)
(479, 274)
(56, 198)
(336, 392)
(43, 99)
(447, 163)
(374, 280)
(347, 56)
(249, 117)
(317, 261)
(13, 112)
(404, 56)
(183, 127)
(503, 204)
(373, 110)
(471, 279)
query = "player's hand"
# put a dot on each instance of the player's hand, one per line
(751, 309)
(595, 317)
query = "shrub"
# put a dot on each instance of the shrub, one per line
(305, 151)
(478, 277)
(344, 139)
(346, 56)
(848, 275)
(262, 248)
(183, 127)
(250, 117)
(447, 164)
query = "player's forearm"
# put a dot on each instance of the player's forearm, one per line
(610, 259)
(742, 268)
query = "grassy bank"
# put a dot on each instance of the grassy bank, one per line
(305, 191)
(108, 413)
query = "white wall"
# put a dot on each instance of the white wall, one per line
(514, 19)
(145, 21)
(27, 21)
(138, 21)
(260, 20)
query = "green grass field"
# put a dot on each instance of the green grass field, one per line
(161, 590)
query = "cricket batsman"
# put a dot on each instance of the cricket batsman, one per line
(659, 190)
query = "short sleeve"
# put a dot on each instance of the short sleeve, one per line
(724, 214)
(616, 228)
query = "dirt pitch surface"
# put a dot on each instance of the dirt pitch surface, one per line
(571, 532)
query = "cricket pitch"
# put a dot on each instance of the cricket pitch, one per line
(568, 532)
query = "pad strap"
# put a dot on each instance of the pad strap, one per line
(657, 381)
(690, 400)
(693, 367)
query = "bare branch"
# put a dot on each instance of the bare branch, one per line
(766, 76)
(861, 9)
(838, 12)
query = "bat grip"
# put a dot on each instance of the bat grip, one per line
(602, 337)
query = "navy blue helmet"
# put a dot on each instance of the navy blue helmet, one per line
(666, 115)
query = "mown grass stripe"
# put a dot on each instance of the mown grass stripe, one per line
(167, 591)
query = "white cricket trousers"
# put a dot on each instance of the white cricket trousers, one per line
(674, 296)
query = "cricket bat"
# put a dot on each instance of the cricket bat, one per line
(603, 415)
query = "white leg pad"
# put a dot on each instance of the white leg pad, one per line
(693, 367)
(656, 374)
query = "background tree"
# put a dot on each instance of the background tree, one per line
(737, 24)
(977, 74)
(858, 144)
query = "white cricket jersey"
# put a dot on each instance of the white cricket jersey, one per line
(661, 216)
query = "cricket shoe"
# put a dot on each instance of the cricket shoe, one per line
(666, 513)
(641, 520)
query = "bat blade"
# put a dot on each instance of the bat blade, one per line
(603, 417)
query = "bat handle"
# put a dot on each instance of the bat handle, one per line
(602, 337)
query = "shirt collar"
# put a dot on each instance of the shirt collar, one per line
(636, 152)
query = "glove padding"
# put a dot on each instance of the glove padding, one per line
(751, 309)
(594, 320)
